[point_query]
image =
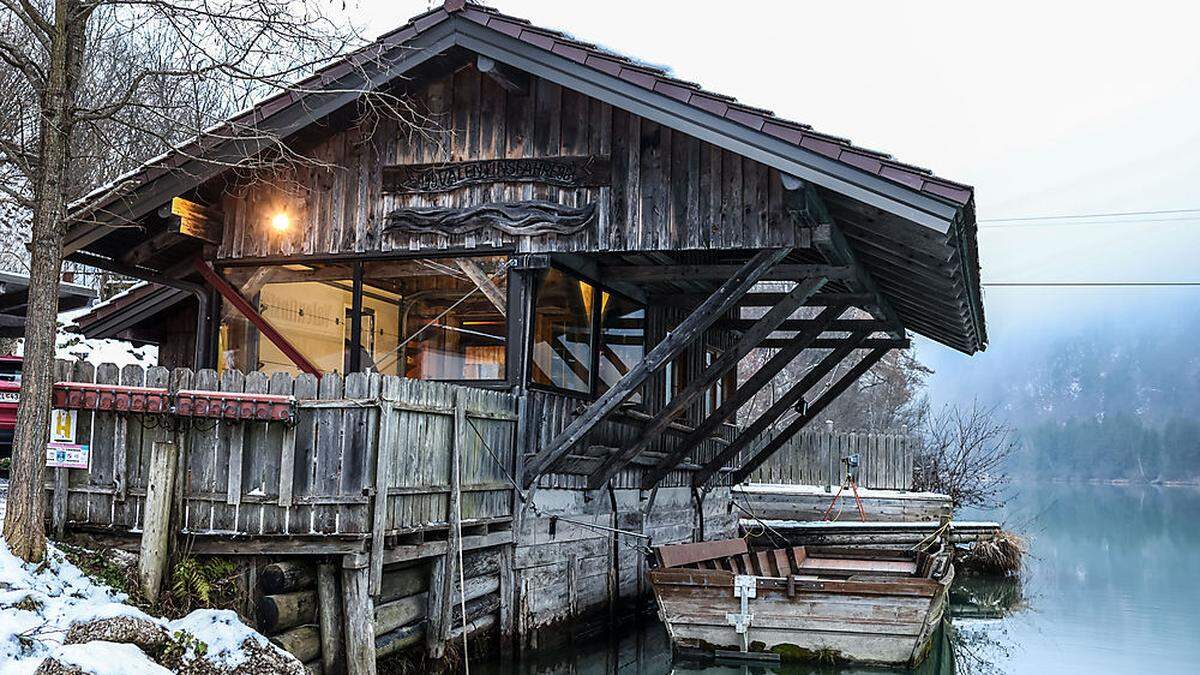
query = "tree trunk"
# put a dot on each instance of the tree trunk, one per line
(24, 523)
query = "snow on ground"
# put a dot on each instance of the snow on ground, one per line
(39, 602)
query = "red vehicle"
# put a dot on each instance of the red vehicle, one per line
(10, 393)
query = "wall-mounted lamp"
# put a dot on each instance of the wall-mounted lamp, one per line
(281, 222)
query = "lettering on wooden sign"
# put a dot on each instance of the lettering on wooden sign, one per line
(515, 218)
(561, 171)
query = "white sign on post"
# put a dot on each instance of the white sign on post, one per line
(62, 452)
(68, 456)
(62, 425)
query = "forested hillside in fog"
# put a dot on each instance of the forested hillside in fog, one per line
(1109, 395)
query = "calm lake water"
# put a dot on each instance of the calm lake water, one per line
(1112, 586)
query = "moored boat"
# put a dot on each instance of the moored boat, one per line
(867, 606)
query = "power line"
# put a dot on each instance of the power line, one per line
(1083, 284)
(1090, 215)
(1138, 221)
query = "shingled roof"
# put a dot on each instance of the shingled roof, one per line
(943, 210)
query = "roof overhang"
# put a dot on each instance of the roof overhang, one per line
(912, 224)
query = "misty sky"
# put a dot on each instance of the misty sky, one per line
(1047, 108)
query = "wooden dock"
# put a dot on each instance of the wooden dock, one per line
(809, 502)
(869, 534)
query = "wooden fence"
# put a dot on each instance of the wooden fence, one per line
(367, 455)
(814, 457)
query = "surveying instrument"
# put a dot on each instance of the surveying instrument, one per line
(849, 481)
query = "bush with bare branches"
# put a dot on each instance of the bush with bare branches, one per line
(964, 453)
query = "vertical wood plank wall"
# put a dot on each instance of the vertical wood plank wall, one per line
(667, 190)
(328, 470)
(814, 457)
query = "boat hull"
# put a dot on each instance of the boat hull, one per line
(869, 621)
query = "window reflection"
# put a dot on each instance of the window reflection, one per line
(439, 319)
(562, 331)
(622, 340)
(423, 318)
(308, 304)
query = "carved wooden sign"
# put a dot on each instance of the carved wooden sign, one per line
(583, 171)
(514, 218)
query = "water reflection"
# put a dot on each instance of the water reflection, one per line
(1110, 587)
(642, 648)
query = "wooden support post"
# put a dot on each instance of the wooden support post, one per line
(287, 465)
(437, 616)
(741, 395)
(814, 409)
(508, 598)
(156, 528)
(58, 502)
(442, 586)
(359, 612)
(786, 402)
(330, 600)
(728, 360)
(720, 302)
(385, 457)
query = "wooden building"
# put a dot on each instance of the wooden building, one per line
(567, 246)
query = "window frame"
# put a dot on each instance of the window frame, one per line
(593, 339)
(356, 292)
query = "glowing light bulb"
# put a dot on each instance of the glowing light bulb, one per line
(281, 222)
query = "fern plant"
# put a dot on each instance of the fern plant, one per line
(208, 583)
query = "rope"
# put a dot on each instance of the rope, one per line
(776, 536)
(932, 535)
(462, 582)
(537, 512)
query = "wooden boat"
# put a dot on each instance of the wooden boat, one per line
(867, 606)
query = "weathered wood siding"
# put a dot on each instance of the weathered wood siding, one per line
(667, 190)
(566, 567)
(233, 472)
(814, 457)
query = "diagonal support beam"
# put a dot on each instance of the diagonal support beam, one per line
(850, 377)
(744, 393)
(721, 301)
(786, 402)
(239, 302)
(759, 331)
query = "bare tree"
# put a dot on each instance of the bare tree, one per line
(95, 86)
(964, 454)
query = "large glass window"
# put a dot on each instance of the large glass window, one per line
(308, 304)
(622, 340)
(562, 333)
(424, 318)
(438, 319)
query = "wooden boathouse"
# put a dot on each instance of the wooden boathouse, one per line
(452, 376)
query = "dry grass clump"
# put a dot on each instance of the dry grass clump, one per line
(1002, 555)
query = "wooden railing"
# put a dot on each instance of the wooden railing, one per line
(814, 457)
(366, 454)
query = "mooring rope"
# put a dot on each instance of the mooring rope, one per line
(462, 581)
(537, 512)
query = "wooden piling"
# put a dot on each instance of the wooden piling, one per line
(152, 561)
(330, 618)
(359, 612)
